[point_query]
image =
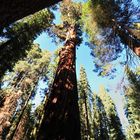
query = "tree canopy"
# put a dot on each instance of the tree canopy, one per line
(110, 23)
(40, 95)
(20, 36)
(16, 10)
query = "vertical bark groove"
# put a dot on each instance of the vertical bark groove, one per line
(62, 121)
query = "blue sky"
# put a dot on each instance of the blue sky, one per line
(84, 58)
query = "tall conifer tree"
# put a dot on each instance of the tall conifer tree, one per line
(114, 124)
(20, 36)
(61, 111)
(84, 92)
(132, 94)
(110, 23)
(21, 85)
(100, 122)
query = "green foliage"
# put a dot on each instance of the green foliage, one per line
(83, 82)
(108, 24)
(100, 121)
(38, 116)
(22, 82)
(114, 124)
(106, 14)
(20, 37)
(132, 93)
(70, 12)
(71, 17)
(106, 123)
(90, 26)
(32, 67)
(53, 66)
(103, 51)
(84, 92)
(95, 16)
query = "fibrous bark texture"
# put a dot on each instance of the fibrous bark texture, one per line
(61, 119)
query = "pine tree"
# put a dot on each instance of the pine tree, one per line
(132, 104)
(109, 23)
(21, 85)
(100, 121)
(20, 36)
(115, 127)
(38, 116)
(106, 123)
(61, 111)
(84, 92)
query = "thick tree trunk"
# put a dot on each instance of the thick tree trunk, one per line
(61, 119)
(13, 10)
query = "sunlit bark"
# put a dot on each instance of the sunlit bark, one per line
(61, 118)
(6, 111)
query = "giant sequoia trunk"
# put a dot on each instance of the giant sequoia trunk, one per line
(61, 118)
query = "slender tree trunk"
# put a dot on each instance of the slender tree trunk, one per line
(13, 135)
(61, 119)
(16, 128)
(86, 117)
(6, 111)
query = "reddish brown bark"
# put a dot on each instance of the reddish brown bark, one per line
(61, 119)
(6, 111)
(23, 126)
